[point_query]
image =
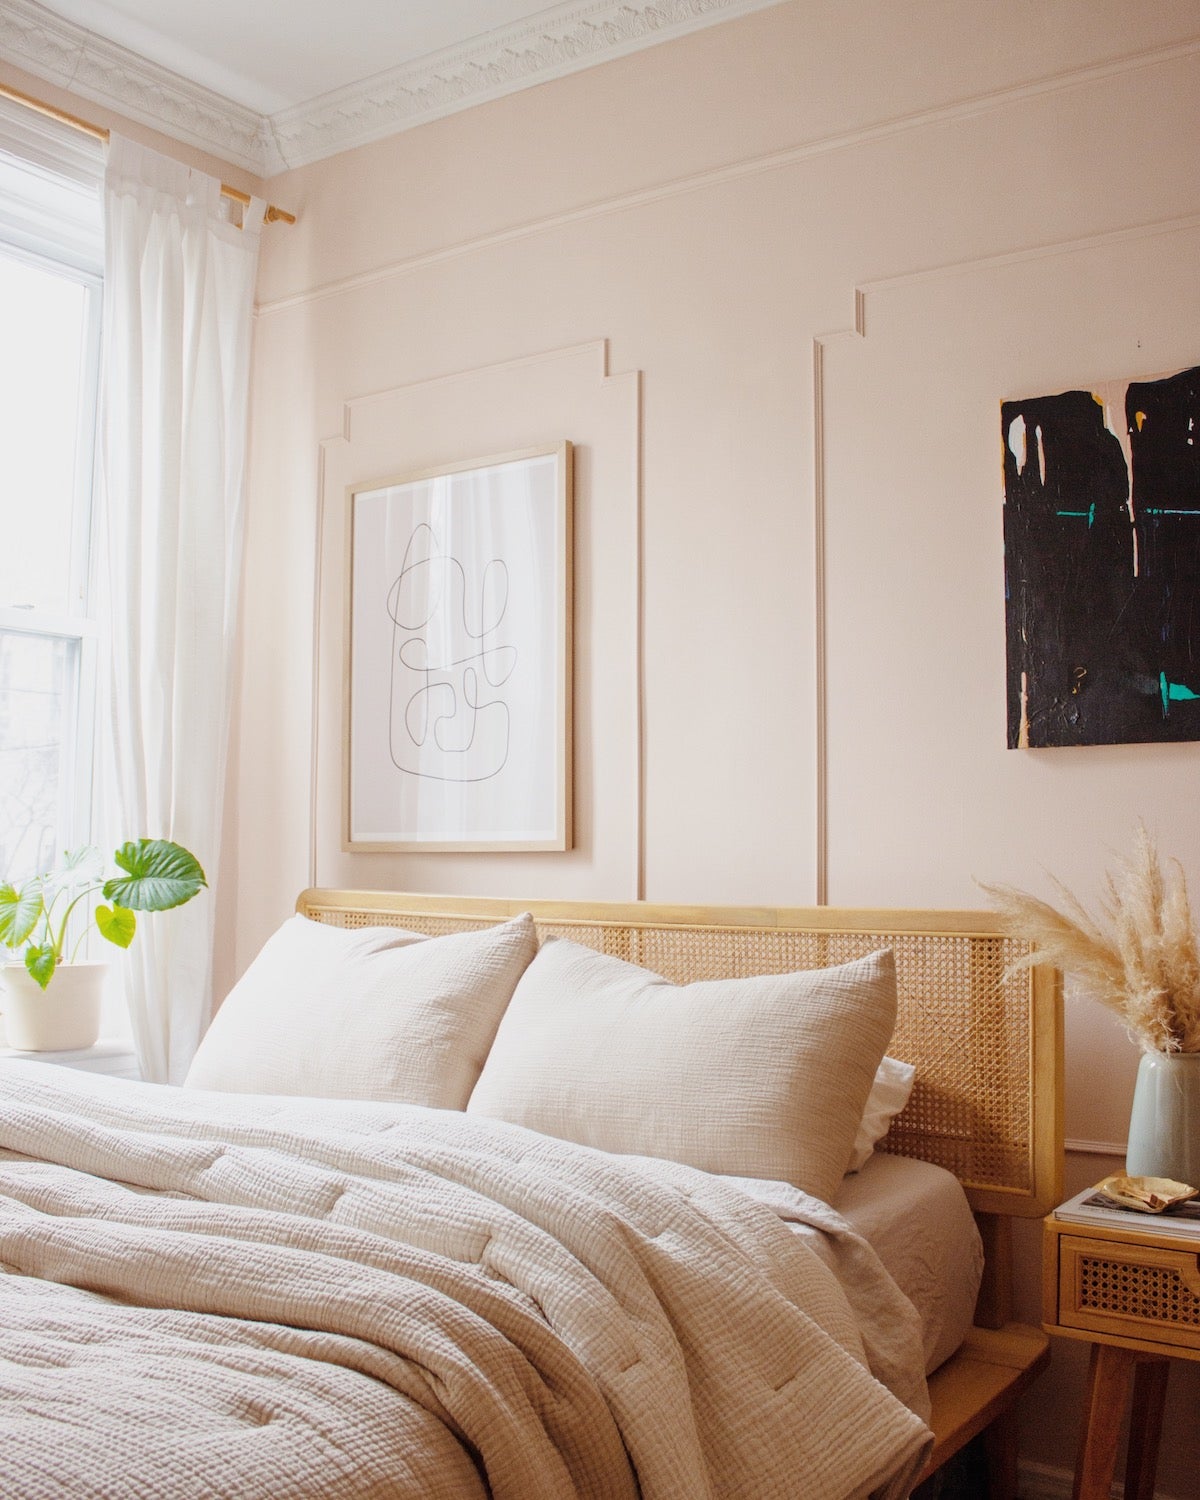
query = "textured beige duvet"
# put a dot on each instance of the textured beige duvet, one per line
(205, 1295)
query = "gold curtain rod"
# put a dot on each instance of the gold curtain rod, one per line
(273, 215)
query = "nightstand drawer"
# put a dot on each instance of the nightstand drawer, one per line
(1129, 1290)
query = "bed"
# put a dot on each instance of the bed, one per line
(524, 1285)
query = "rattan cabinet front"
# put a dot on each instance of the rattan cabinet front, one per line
(1138, 1288)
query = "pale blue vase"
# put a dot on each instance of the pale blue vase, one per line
(1164, 1126)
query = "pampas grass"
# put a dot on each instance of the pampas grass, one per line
(1139, 956)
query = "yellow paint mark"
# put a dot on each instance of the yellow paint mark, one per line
(1023, 731)
(1099, 400)
(1139, 417)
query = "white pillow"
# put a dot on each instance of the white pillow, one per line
(760, 1077)
(889, 1094)
(367, 1013)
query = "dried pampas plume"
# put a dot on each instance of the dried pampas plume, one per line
(1139, 957)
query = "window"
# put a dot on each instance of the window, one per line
(51, 255)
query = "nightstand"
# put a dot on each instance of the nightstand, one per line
(1134, 1295)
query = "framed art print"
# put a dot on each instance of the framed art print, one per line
(1102, 563)
(458, 680)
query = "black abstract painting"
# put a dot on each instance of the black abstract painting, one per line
(1102, 563)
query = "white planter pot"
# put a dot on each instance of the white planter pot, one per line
(61, 1018)
(1164, 1126)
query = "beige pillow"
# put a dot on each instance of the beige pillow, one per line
(762, 1077)
(368, 1013)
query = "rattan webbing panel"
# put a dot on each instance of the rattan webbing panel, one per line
(1148, 1293)
(987, 1048)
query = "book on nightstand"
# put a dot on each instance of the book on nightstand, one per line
(1093, 1207)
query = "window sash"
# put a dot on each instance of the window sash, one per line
(46, 622)
(51, 181)
(67, 728)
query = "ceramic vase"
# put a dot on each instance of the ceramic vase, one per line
(61, 1018)
(1164, 1127)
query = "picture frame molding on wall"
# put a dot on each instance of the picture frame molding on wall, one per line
(502, 697)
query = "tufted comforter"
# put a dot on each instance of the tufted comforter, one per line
(212, 1295)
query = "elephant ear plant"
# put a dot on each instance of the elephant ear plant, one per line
(155, 875)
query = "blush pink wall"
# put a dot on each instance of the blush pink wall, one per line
(819, 245)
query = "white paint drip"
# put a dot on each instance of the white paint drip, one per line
(1111, 396)
(1017, 442)
(1041, 456)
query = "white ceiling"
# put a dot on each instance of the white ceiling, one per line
(275, 83)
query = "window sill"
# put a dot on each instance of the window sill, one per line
(113, 1056)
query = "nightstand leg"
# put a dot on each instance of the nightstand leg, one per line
(1108, 1392)
(1145, 1427)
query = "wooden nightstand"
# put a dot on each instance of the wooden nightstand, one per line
(1134, 1295)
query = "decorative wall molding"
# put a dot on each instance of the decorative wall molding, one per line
(361, 420)
(1095, 1148)
(820, 608)
(564, 39)
(857, 329)
(774, 161)
(1042, 251)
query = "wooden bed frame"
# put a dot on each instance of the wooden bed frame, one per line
(986, 1104)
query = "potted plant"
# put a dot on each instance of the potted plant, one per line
(1140, 957)
(154, 875)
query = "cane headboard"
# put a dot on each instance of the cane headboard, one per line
(987, 1045)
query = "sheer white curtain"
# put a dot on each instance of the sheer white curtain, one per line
(178, 308)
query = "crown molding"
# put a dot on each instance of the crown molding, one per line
(564, 39)
(76, 59)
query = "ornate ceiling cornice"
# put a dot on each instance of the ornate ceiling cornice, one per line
(76, 59)
(562, 40)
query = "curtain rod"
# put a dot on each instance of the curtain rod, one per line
(273, 215)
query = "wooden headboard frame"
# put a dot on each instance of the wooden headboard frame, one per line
(988, 1048)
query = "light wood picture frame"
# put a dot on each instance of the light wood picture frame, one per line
(458, 657)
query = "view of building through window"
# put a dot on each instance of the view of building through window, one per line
(36, 780)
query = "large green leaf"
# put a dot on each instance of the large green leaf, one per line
(41, 962)
(159, 875)
(116, 923)
(19, 911)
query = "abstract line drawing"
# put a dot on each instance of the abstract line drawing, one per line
(448, 719)
(458, 681)
(1102, 563)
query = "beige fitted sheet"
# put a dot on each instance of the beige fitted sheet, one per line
(917, 1218)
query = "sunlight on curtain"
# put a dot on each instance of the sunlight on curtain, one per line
(178, 306)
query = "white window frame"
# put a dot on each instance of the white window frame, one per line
(66, 242)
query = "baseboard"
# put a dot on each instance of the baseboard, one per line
(1041, 1482)
(1046, 1482)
